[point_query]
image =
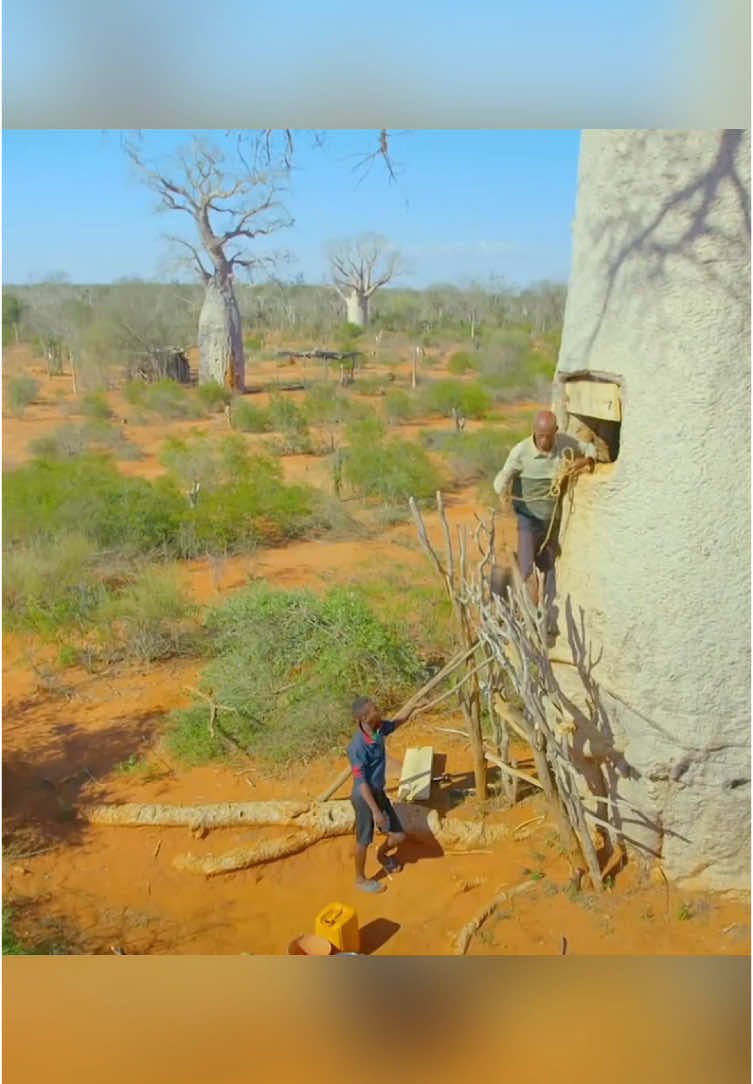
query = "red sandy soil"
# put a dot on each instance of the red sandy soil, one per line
(67, 735)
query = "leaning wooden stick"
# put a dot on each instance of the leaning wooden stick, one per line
(409, 705)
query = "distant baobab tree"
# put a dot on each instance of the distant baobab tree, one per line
(230, 190)
(359, 267)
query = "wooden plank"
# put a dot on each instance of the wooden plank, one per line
(415, 778)
(594, 399)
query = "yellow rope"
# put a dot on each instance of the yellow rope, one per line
(555, 490)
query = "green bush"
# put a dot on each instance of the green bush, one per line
(151, 618)
(325, 405)
(249, 418)
(527, 376)
(290, 664)
(462, 361)
(51, 585)
(204, 460)
(480, 454)
(165, 397)
(370, 385)
(242, 503)
(240, 516)
(70, 441)
(135, 392)
(398, 596)
(365, 430)
(103, 435)
(47, 497)
(395, 470)
(213, 397)
(95, 406)
(440, 398)
(286, 416)
(292, 428)
(400, 407)
(14, 945)
(348, 334)
(65, 442)
(22, 391)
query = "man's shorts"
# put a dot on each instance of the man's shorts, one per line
(365, 820)
(531, 534)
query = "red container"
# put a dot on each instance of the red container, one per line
(308, 944)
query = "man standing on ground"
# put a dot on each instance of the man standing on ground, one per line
(532, 467)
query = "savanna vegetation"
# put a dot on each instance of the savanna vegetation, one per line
(94, 555)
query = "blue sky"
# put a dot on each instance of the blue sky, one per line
(467, 204)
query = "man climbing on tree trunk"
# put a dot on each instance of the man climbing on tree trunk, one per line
(532, 467)
(368, 760)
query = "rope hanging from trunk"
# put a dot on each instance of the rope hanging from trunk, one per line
(555, 491)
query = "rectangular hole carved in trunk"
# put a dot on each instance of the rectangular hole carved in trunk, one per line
(589, 407)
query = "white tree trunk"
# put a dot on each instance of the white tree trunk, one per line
(221, 337)
(357, 308)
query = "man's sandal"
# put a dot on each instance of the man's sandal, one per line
(370, 886)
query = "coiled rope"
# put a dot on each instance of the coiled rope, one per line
(555, 491)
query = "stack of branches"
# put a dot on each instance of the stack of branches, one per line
(453, 571)
(159, 363)
(522, 695)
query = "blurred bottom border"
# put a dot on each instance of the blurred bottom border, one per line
(155, 1019)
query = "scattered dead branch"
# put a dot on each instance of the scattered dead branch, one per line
(494, 609)
(465, 935)
(453, 571)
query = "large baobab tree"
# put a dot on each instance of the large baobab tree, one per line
(229, 187)
(654, 577)
(358, 268)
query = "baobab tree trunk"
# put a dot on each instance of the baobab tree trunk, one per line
(357, 309)
(221, 337)
(417, 352)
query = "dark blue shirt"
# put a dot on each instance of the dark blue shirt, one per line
(368, 758)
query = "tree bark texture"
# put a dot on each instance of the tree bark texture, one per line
(357, 306)
(221, 337)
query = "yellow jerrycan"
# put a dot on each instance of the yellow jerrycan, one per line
(339, 924)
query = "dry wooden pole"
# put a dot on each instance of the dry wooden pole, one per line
(409, 705)
(514, 773)
(470, 700)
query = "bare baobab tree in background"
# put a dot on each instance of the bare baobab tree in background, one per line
(230, 189)
(358, 268)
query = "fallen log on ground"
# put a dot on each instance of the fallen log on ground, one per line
(328, 817)
(224, 814)
(448, 833)
(267, 851)
(315, 821)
